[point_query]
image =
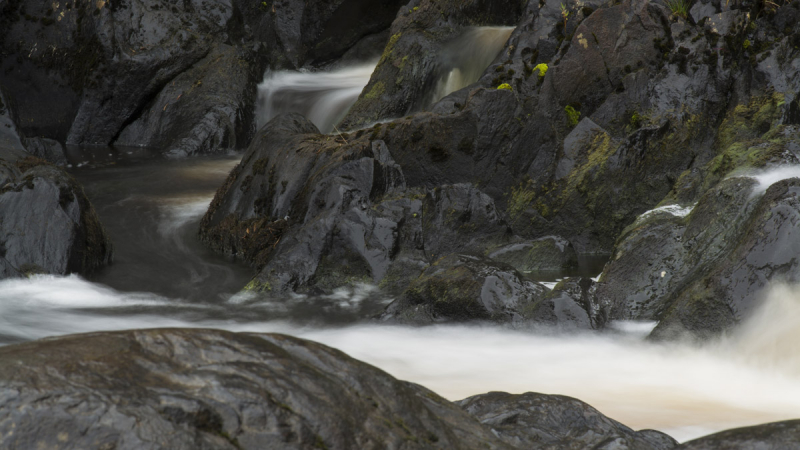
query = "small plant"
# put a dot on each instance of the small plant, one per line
(573, 116)
(636, 120)
(679, 8)
(542, 68)
(746, 44)
(505, 87)
(565, 15)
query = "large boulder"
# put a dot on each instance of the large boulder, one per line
(314, 211)
(539, 421)
(206, 389)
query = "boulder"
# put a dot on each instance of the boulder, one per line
(461, 288)
(546, 254)
(47, 224)
(571, 304)
(540, 421)
(209, 389)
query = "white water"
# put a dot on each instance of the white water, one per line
(767, 178)
(465, 59)
(323, 97)
(751, 377)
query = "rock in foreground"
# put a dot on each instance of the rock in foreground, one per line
(203, 389)
(534, 420)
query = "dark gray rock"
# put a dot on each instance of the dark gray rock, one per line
(181, 77)
(764, 249)
(770, 436)
(571, 304)
(409, 67)
(460, 288)
(547, 254)
(206, 389)
(47, 224)
(46, 149)
(539, 421)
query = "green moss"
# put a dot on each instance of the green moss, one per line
(377, 90)
(751, 120)
(573, 115)
(520, 199)
(746, 44)
(505, 86)
(387, 51)
(257, 286)
(542, 68)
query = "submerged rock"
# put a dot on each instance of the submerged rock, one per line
(539, 421)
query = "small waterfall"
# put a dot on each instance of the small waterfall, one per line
(465, 58)
(323, 97)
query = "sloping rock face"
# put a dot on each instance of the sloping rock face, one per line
(606, 112)
(47, 224)
(770, 436)
(410, 64)
(537, 421)
(178, 76)
(204, 389)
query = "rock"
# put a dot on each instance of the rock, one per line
(460, 288)
(202, 110)
(409, 64)
(571, 304)
(351, 217)
(460, 218)
(179, 77)
(47, 149)
(770, 436)
(48, 224)
(539, 421)
(204, 389)
(547, 254)
(729, 290)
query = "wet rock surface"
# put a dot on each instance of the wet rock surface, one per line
(539, 421)
(179, 77)
(47, 224)
(461, 288)
(212, 389)
(777, 435)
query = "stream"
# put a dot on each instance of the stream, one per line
(162, 276)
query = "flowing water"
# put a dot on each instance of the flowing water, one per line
(163, 277)
(325, 97)
(464, 59)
